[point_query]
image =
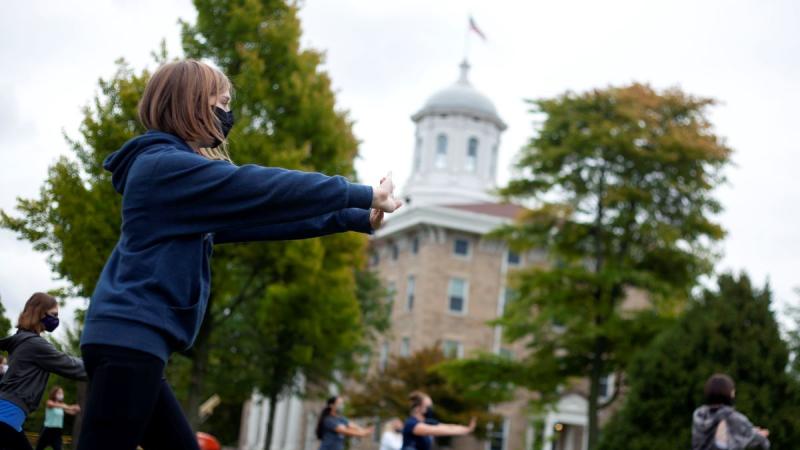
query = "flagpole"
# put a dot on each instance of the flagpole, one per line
(466, 41)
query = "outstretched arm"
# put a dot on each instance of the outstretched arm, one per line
(52, 360)
(350, 219)
(192, 194)
(443, 429)
(354, 430)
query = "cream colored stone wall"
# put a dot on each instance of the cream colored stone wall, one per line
(430, 322)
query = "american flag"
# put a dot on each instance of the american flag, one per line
(474, 27)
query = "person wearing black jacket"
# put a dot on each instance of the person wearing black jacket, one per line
(31, 359)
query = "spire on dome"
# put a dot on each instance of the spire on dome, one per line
(464, 66)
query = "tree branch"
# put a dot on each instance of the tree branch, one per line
(239, 299)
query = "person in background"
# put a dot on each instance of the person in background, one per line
(31, 359)
(392, 437)
(54, 419)
(421, 427)
(332, 427)
(718, 426)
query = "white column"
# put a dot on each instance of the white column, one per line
(278, 428)
(549, 423)
(259, 424)
(293, 425)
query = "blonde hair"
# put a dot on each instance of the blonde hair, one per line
(36, 308)
(176, 101)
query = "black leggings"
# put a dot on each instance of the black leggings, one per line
(129, 403)
(11, 439)
(49, 437)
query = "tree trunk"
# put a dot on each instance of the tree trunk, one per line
(594, 394)
(273, 405)
(78, 423)
(200, 356)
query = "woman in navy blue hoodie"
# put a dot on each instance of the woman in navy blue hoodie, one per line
(180, 196)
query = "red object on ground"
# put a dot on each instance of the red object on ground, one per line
(207, 442)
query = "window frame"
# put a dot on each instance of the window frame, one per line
(464, 298)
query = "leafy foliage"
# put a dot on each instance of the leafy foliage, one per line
(732, 331)
(619, 185)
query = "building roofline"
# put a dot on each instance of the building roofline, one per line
(442, 216)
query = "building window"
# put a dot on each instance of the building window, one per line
(391, 292)
(606, 389)
(508, 296)
(472, 155)
(457, 296)
(374, 258)
(493, 162)
(410, 292)
(441, 151)
(461, 247)
(415, 245)
(506, 353)
(395, 251)
(418, 154)
(497, 434)
(452, 349)
(384, 357)
(405, 347)
(513, 258)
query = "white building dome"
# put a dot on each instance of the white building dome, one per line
(456, 151)
(461, 98)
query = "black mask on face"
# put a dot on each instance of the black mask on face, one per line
(430, 416)
(50, 323)
(226, 121)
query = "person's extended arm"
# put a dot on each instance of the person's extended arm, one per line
(350, 219)
(443, 429)
(191, 194)
(52, 360)
(353, 430)
(69, 409)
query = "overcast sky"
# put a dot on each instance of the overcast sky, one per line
(387, 57)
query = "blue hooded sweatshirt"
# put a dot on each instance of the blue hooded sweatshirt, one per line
(153, 291)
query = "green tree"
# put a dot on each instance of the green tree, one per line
(5, 324)
(619, 182)
(384, 393)
(730, 330)
(286, 116)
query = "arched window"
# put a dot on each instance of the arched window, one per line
(471, 163)
(441, 151)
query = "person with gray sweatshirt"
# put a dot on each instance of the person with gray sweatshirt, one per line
(31, 359)
(718, 426)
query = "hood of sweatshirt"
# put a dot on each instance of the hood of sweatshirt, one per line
(120, 162)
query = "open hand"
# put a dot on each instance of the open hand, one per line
(383, 195)
(762, 431)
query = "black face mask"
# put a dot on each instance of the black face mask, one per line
(226, 121)
(50, 323)
(430, 416)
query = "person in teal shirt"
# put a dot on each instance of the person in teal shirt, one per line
(54, 420)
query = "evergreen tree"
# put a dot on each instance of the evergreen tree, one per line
(732, 331)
